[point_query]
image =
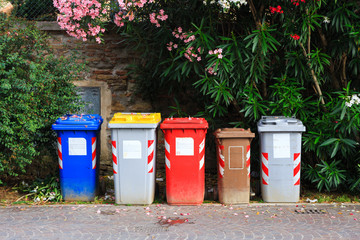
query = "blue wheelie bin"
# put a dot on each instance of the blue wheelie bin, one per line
(78, 153)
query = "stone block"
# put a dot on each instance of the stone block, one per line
(141, 106)
(117, 107)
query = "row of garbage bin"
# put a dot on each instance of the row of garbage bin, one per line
(134, 140)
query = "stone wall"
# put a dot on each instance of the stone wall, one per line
(107, 69)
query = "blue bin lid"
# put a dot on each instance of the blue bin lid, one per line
(89, 122)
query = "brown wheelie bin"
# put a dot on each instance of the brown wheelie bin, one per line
(233, 154)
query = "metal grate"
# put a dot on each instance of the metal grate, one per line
(310, 211)
(91, 97)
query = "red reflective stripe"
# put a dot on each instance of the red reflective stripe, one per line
(296, 155)
(221, 163)
(151, 170)
(167, 154)
(247, 148)
(60, 154)
(265, 169)
(114, 156)
(93, 140)
(150, 142)
(94, 154)
(114, 159)
(296, 169)
(150, 157)
(266, 156)
(263, 181)
(298, 182)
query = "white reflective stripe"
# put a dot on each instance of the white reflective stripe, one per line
(248, 161)
(297, 177)
(221, 170)
(264, 176)
(221, 162)
(60, 151)
(59, 146)
(167, 147)
(150, 166)
(151, 152)
(202, 162)
(221, 156)
(93, 146)
(296, 164)
(201, 146)
(115, 160)
(151, 148)
(167, 162)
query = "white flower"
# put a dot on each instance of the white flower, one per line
(356, 99)
(351, 100)
(326, 19)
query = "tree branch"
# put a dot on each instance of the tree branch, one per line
(343, 72)
(317, 86)
(254, 14)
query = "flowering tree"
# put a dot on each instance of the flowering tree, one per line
(247, 58)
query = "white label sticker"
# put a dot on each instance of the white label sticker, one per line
(77, 146)
(131, 149)
(281, 143)
(184, 146)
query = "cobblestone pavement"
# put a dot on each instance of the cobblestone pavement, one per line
(208, 221)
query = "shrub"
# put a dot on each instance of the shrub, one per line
(36, 87)
(247, 58)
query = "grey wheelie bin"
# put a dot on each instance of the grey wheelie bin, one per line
(280, 154)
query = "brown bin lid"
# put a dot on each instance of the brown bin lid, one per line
(233, 133)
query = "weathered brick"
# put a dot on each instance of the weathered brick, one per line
(105, 77)
(102, 71)
(121, 72)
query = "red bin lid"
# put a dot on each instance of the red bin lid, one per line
(184, 123)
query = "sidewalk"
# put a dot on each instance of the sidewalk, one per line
(161, 221)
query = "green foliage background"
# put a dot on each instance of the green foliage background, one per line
(35, 88)
(263, 71)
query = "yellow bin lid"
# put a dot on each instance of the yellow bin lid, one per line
(121, 118)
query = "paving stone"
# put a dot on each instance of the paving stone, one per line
(209, 221)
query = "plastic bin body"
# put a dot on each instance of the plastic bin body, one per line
(185, 160)
(233, 155)
(280, 154)
(78, 155)
(133, 139)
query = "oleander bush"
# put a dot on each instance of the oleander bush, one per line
(242, 59)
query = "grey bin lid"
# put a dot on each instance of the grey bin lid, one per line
(280, 124)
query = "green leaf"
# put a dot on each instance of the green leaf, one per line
(329, 141)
